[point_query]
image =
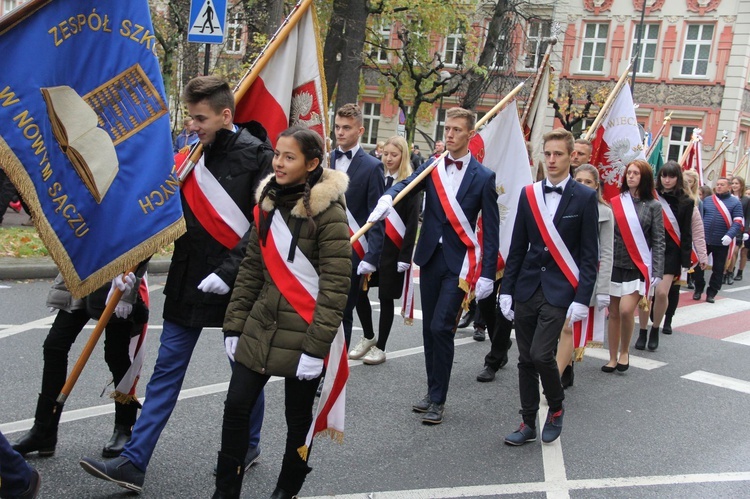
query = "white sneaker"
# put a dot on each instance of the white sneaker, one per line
(361, 348)
(374, 356)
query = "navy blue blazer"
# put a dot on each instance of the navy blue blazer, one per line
(366, 185)
(476, 193)
(530, 264)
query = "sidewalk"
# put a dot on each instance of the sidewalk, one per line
(44, 267)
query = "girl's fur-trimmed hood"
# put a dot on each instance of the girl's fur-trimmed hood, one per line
(330, 188)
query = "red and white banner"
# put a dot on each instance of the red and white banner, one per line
(126, 386)
(617, 143)
(589, 332)
(213, 207)
(395, 228)
(694, 159)
(298, 283)
(360, 245)
(632, 235)
(552, 239)
(290, 88)
(470, 266)
(500, 146)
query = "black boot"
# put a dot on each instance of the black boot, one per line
(729, 276)
(653, 339)
(280, 493)
(640, 343)
(567, 376)
(667, 327)
(228, 477)
(120, 436)
(738, 277)
(42, 437)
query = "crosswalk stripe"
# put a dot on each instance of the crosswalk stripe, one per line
(635, 361)
(742, 338)
(706, 311)
(735, 384)
(734, 290)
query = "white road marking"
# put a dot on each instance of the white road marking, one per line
(707, 311)
(548, 487)
(552, 454)
(734, 290)
(735, 384)
(635, 361)
(741, 338)
(43, 323)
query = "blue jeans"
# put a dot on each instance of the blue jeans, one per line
(175, 351)
(15, 473)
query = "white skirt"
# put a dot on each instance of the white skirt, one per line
(621, 289)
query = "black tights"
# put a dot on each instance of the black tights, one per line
(364, 312)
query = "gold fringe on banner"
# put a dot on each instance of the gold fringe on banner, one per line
(79, 288)
(124, 398)
(336, 436)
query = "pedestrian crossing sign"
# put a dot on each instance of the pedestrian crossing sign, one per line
(207, 21)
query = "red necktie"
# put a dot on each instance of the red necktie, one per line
(457, 164)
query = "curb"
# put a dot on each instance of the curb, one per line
(45, 268)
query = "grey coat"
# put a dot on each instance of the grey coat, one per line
(652, 223)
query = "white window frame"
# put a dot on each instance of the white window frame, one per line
(370, 122)
(536, 31)
(235, 42)
(440, 124)
(649, 40)
(592, 44)
(499, 53)
(379, 52)
(453, 56)
(686, 136)
(9, 5)
(697, 43)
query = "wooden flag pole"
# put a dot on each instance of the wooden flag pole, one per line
(429, 168)
(91, 343)
(741, 163)
(537, 80)
(661, 131)
(252, 74)
(610, 99)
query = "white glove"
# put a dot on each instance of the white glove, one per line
(309, 367)
(230, 345)
(365, 268)
(577, 312)
(483, 288)
(124, 282)
(402, 266)
(123, 309)
(726, 240)
(52, 310)
(506, 302)
(745, 236)
(602, 301)
(655, 281)
(213, 284)
(381, 209)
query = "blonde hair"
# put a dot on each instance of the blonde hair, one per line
(404, 169)
(691, 191)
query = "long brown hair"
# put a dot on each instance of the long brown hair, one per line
(646, 185)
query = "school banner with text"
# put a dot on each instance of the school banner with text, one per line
(85, 134)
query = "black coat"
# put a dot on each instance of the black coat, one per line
(677, 257)
(238, 161)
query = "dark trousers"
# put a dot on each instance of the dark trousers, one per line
(351, 303)
(299, 395)
(538, 326)
(498, 328)
(441, 306)
(15, 473)
(717, 274)
(62, 334)
(364, 312)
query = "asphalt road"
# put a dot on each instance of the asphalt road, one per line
(674, 425)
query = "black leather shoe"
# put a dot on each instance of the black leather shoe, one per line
(738, 277)
(567, 377)
(279, 493)
(423, 405)
(486, 375)
(35, 482)
(120, 436)
(434, 415)
(730, 278)
(36, 440)
(252, 457)
(465, 320)
(478, 334)
(697, 295)
(118, 470)
(710, 299)
(609, 369)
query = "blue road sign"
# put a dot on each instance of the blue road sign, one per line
(208, 20)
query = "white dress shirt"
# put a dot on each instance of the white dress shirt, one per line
(552, 199)
(342, 162)
(456, 176)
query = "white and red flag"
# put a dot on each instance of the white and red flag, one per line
(500, 146)
(534, 127)
(617, 143)
(125, 389)
(693, 156)
(290, 89)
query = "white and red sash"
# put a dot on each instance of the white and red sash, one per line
(297, 281)
(632, 235)
(471, 266)
(589, 332)
(673, 228)
(125, 389)
(395, 230)
(360, 245)
(727, 220)
(552, 239)
(215, 210)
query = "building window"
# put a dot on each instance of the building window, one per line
(649, 42)
(594, 47)
(500, 56)
(381, 43)
(679, 140)
(580, 128)
(453, 50)
(235, 43)
(535, 44)
(370, 120)
(9, 5)
(440, 124)
(697, 49)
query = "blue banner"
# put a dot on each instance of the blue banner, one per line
(85, 134)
